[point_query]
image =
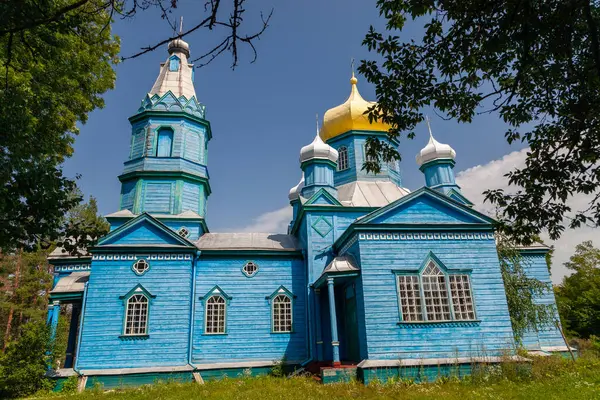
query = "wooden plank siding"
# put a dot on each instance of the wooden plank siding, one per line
(387, 340)
(424, 210)
(168, 325)
(248, 320)
(547, 336)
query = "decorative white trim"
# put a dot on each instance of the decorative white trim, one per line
(129, 257)
(419, 236)
(71, 268)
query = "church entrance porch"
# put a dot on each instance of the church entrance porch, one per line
(337, 339)
(64, 314)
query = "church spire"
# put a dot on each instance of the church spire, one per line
(176, 74)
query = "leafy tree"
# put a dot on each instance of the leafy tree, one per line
(23, 367)
(535, 64)
(578, 295)
(56, 60)
(521, 292)
(83, 228)
(54, 74)
(26, 280)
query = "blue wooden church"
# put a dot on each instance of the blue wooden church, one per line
(370, 279)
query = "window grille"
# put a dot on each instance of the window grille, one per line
(462, 302)
(183, 232)
(410, 298)
(215, 314)
(342, 163)
(430, 295)
(282, 313)
(136, 318)
(250, 269)
(141, 266)
(435, 293)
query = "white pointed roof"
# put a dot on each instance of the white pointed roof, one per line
(179, 82)
(295, 191)
(318, 150)
(435, 151)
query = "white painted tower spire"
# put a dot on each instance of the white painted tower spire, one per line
(176, 74)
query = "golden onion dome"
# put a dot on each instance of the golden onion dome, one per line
(350, 116)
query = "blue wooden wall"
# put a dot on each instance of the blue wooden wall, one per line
(388, 340)
(356, 158)
(248, 336)
(167, 345)
(535, 266)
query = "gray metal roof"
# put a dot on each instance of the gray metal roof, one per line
(60, 254)
(72, 283)
(248, 241)
(345, 263)
(370, 193)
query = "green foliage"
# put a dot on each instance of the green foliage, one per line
(545, 379)
(578, 295)
(521, 290)
(23, 366)
(534, 64)
(28, 301)
(53, 73)
(83, 228)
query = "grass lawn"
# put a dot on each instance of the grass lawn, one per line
(548, 378)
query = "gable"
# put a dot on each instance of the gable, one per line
(323, 197)
(143, 230)
(425, 207)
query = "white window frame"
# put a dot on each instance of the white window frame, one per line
(142, 260)
(248, 274)
(450, 300)
(275, 328)
(183, 232)
(127, 314)
(206, 320)
(343, 159)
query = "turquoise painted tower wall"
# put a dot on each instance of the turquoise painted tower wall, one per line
(166, 172)
(354, 142)
(439, 175)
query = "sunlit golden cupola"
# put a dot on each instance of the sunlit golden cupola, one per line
(350, 116)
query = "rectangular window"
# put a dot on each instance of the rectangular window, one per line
(215, 315)
(436, 298)
(410, 297)
(136, 318)
(462, 302)
(282, 314)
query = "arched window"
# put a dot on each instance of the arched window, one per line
(136, 317)
(174, 63)
(215, 314)
(164, 143)
(282, 313)
(342, 159)
(435, 293)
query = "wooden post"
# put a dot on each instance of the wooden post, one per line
(334, 333)
(565, 339)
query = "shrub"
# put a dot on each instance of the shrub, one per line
(23, 366)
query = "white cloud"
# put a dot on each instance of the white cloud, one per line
(271, 222)
(474, 181)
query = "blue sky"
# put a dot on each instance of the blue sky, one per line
(261, 113)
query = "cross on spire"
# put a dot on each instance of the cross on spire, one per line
(428, 126)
